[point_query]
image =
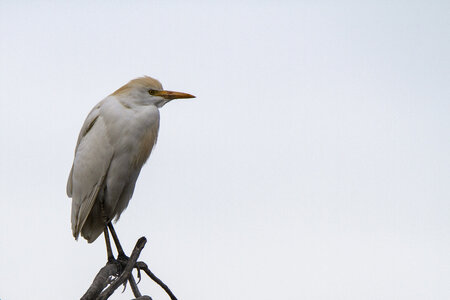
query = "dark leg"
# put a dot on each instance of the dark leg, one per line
(108, 245)
(116, 241)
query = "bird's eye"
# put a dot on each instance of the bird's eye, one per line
(152, 92)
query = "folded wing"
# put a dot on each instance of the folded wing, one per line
(93, 156)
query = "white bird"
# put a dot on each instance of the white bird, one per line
(115, 141)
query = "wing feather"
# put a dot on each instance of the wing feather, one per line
(93, 156)
(87, 126)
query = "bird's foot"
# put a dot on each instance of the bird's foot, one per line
(140, 265)
(122, 257)
(122, 260)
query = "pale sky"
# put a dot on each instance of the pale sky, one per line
(313, 164)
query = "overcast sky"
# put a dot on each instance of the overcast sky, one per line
(313, 164)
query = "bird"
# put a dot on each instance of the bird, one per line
(114, 143)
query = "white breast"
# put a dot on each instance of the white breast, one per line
(132, 130)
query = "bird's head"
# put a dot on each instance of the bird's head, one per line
(147, 91)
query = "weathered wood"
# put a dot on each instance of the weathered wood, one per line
(118, 272)
(101, 280)
(125, 274)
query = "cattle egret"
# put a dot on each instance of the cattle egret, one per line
(115, 141)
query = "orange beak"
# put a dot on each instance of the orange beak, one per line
(169, 95)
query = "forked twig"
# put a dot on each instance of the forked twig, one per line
(99, 289)
(125, 274)
(143, 266)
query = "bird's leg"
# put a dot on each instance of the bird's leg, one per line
(108, 245)
(105, 232)
(116, 241)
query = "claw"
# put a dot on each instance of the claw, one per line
(138, 274)
(124, 286)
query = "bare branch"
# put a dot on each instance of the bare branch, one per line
(143, 266)
(127, 271)
(134, 287)
(101, 280)
(118, 272)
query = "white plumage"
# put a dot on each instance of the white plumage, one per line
(116, 139)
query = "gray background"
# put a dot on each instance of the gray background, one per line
(314, 163)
